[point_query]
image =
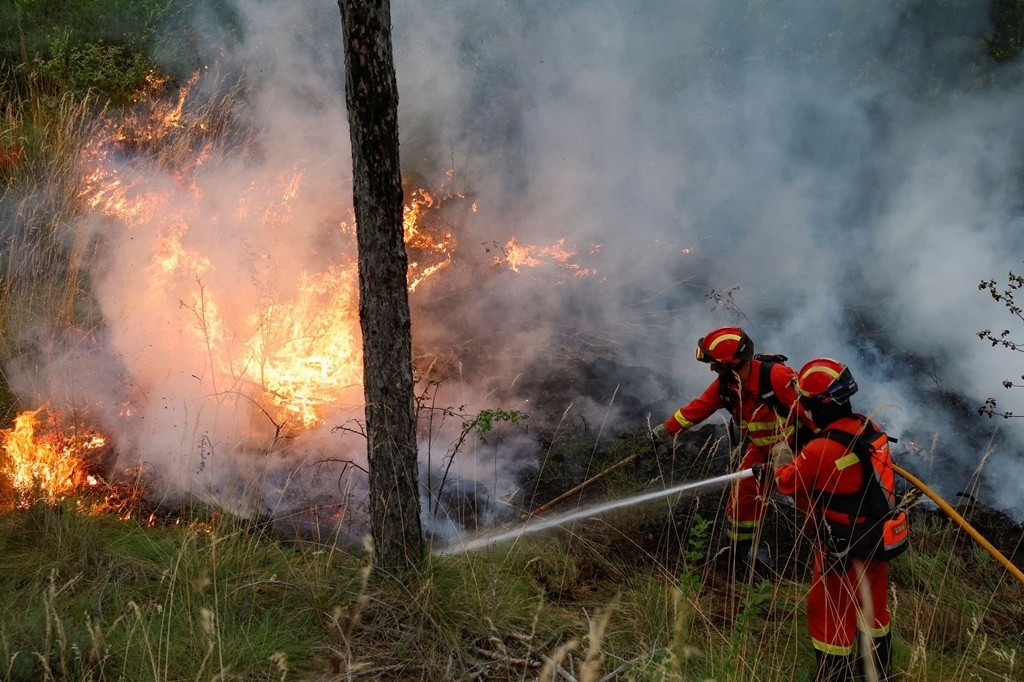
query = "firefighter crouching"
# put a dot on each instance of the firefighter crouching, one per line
(843, 479)
(758, 391)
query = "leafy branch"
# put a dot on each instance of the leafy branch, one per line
(1007, 296)
(482, 424)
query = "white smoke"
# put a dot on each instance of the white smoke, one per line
(848, 173)
(835, 177)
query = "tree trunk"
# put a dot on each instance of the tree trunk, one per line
(372, 97)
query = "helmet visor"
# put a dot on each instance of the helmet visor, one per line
(702, 355)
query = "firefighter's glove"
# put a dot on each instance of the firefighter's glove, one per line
(763, 473)
(782, 454)
(660, 434)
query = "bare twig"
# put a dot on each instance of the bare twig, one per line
(558, 669)
(510, 660)
(615, 673)
(375, 672)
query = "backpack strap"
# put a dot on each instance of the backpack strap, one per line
(871, 500)
(765, 390)
(727, 390)
(877, 529)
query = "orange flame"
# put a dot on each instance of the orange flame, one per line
(517, 256)
(299, 354)
(295, 353)
(423, 244)
(39, 464)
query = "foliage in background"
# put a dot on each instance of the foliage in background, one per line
(36, 32)
(1007, 38)
(103, 49)
(119, 73)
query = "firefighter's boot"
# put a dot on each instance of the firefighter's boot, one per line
(736, 557)
(759, 559)
(878, 659)
(746, 559)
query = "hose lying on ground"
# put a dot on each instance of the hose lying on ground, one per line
(952, 513)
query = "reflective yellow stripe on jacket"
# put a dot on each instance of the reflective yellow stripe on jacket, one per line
(683, 421)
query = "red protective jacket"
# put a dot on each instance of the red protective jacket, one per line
(823, 466)
(758, 421)
(755, 417)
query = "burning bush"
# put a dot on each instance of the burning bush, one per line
(42, 461)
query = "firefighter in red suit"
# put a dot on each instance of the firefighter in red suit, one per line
(761, 398)
(823, 472)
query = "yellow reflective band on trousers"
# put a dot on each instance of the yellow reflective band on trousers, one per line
(775, 428)
(768, 440)
(774, 425)
(772, 438)
(741, 530)
(831, 648)
(875, 632)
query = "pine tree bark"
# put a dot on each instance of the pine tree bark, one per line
(371, 93)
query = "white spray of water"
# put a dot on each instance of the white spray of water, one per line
(535, 527)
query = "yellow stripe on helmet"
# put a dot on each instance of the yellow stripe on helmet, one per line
(724, 337)
(817, 368)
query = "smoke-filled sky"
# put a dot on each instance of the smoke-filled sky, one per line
(835, 177)
(846, 172)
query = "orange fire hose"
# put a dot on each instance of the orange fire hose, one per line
(996, 554)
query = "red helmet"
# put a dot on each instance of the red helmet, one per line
(725, 346)
(824, 380)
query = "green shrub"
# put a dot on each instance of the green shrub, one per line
(112, 71)
(1007, 29)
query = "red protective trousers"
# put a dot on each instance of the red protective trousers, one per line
(840, 601)
(758, 422)
(747, 499)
